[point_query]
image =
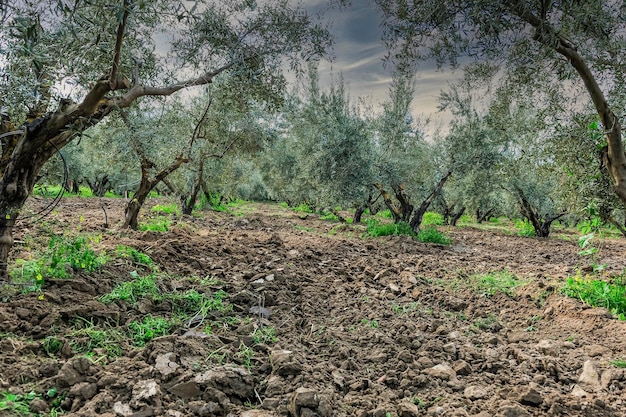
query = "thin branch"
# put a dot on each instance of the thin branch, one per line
(118, 46)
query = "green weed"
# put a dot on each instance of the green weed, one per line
(245, 354)
(266, 335)
(405, 308)
(149, 328)
(432, 218)
(157, 224)
(385, 214)
(16, 404)
(62, 255)
(303, 208)
(371, 323)
(87, 336)
(52, 345)
(132, 291)
(489, 323)
(524, 228)
(171, 208)
(432, 235)
(377, 229)
(136, 256)
(619, 363)
(597, 293)
(492, 283)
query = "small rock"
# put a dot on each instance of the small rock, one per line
(515, 337)
(145, 390)
(513, 410)
(461, 367)
(394, 288)
(597, 350)
(165, 363)
(474, 392)
(547, 347)
(531, 397)
(338, 379)
(442, 371)
(548, 311)
(578, 392)
(38, 406)
(122, 409)
(407, 409)
(84, 390)
(589, 377)
(187, 389)
(303, 398)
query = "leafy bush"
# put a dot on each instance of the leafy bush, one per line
(303, 208)
(432, 218)
(376, 229)
(63, 253)
(432, 235)
(597, 293)
(524, 228)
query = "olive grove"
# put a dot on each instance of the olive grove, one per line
(70, 65)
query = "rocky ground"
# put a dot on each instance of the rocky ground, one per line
(317, 321)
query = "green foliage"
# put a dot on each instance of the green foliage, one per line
(63, 254)
(402, 309)
(432, 235)
(303, 208)
(598, 293)
(619, 363)
(191, 301)
(52, 345)
(132, 291)
(432, 218)
(377, 229)
(16, 404)
(147, 329)
(166, 208)
(135, 256)
(385, 214)
(157, 224)
(86, 337)
(265, 334)
(492, 283)
(524, 228)
(588, 249)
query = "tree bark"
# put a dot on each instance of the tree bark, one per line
(541, 225)
(416, 221)
(189, 202)
(131, 213)
(396, 212)
(615, 161)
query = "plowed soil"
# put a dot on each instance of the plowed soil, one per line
(361, 327)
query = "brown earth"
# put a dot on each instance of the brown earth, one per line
(364, 327)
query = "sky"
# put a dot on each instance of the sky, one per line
(359, 56)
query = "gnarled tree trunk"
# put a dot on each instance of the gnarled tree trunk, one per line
(416, 221)
(131, 213)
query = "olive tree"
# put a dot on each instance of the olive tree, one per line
(325, 155)
(106, 54)
(559, 41)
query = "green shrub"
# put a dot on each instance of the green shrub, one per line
(432, 235)
(135, 256)
(303, 208)
(158, 224)
(432, 218)
(63, 253)
(524, 228)
(376, 229)
(166, 208)
(597, 293)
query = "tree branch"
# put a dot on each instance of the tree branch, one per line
(118, 47)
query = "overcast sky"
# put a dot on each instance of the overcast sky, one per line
(359, 58)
